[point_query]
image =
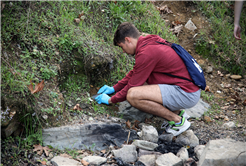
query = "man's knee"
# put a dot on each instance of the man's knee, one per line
(131, 94)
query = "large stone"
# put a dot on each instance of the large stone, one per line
(229, 125)
(96, 135)
(131, 113)
(12, 127)
(198, 110)
(235, 77)
(148, 160)
(166, 137)
(183, 154)
(168, 159)
(223, 152)
(188, 138)
(142, 152)
(198, 150)
(149, 133)
(95, 160)
(145, 144)
(63, 161)
(127, 153)
(9, 121)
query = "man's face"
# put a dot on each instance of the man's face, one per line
(127, 47)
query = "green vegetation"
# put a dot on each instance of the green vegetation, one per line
(41, 41)
(220, 46)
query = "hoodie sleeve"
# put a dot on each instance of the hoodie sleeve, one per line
(143, 67)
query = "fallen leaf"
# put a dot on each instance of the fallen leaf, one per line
(85, 163)
(103, 151)
(152, 1)
(81, 14)
(81, 151)
(207, 89)
(216, 117)
(66, 155)
(38, 148)
(244, 103)
(46, 150)
(207, 119)
(77, 107)
(164, 9)
(77, 20)
(43, 162)
(136, 122)
(226, 118)
(177, 29)
(134, 128)
(224, 108)
(128, 124)
(38, 87)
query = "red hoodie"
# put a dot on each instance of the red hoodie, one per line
(151, 61)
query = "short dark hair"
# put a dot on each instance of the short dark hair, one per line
(125, 29)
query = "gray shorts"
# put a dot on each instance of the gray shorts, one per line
(174, 98)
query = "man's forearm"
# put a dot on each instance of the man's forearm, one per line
(237, 11)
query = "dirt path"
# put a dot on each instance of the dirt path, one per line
(227, 96)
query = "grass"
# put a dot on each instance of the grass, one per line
(44, 40)
(220, 46)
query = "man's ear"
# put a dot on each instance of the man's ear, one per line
(128, 39)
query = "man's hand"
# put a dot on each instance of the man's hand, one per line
(106, 90)
(237, 32)
(103, 98)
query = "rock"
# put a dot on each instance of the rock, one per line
(168, 159)
(198, 150)
(131, 113)
(12, 127)
(145, 145)
(209, 69)
(149, 133)
(235, 77)
(229, 125)
(63, 161)
(83, 136)
(95, 160)
(198, 110)
(188, 138)
(223, 152)
(190, 25)
(183, 154)
(127, 153)
(166, 137)
(142, 152)
(148, 160)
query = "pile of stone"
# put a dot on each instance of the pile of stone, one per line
(144, 151)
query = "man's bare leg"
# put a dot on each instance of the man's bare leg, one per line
(148, 98)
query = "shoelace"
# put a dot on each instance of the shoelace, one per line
(165, 125)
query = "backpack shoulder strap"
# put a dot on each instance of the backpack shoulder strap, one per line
(170, 44)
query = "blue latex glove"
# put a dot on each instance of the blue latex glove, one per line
(106, 90)
(103, 98)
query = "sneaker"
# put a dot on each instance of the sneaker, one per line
(184, 114)
(178, 129)
(166, 125)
